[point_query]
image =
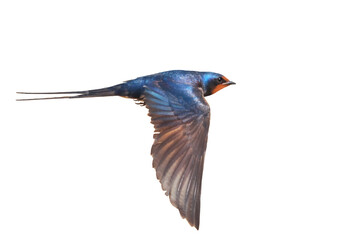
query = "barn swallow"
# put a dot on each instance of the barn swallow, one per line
(181, 117)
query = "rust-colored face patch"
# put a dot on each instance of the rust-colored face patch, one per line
(221, 85)
(218, 87)
(225, 79)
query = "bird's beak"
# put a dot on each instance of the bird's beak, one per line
(222, 85)
(228, 83)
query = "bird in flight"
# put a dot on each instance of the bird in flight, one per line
(181, 117)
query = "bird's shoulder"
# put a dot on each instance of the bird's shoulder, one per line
(180, 91)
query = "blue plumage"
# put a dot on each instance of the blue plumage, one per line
(181, 117)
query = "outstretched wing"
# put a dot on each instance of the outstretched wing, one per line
(181, 117)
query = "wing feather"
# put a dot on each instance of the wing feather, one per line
(181, 118)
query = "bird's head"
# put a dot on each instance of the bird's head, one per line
(213, 82)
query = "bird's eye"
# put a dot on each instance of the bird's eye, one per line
(219, 80)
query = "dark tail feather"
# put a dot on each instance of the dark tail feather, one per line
(102, 92)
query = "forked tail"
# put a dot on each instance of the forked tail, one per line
(102, 92)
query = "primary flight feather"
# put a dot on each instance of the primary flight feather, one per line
(181, 117)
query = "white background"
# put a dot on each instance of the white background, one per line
(283, 152)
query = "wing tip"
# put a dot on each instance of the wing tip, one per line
(195, 225)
